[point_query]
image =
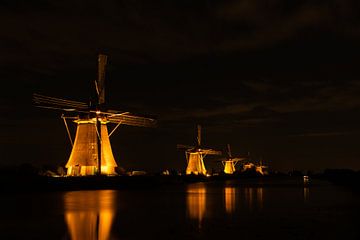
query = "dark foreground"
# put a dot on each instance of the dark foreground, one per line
(267, 208)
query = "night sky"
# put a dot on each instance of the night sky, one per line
(279, 79)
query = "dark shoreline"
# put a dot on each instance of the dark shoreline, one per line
(45, 183)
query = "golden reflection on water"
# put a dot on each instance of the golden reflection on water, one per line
(196, 201)
(259, 197)
(249, 192)
(306, 194)
(89, 214)
(254, 197)
(230, 199)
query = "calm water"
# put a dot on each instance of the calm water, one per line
(212, 210)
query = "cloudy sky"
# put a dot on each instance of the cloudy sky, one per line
(279, 79)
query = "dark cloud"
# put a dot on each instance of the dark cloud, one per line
(254, 73)
(324, 134)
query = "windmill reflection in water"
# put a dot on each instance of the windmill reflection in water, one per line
(90, 214)
(196, 202)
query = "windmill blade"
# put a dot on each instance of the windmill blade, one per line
(238, 159)
(43, 100)
(55, 108)
(62, 109)
(100, 82)
(132, 120)
(198, 135)
(110, 113)
(211, 152)
(182, 146)
(229, 150)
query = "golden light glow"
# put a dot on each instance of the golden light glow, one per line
(108, 162)
(83, 160)
(106, 170)
(254, 197)
(248, 166)
(262, 170)
(229, 167)
(249, 192)
(306, 194)
(259, 197)
(195, 164)
(89, 214)
(87, 170)
(196, 201)
(230, 199)
(306, 179)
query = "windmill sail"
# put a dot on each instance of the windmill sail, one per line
(229, 150)
(92, 153)
(230, 162)
(198, 135)
(132, 120)
(100, 82)
(46, 101)
(195, 155)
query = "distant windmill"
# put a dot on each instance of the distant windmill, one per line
(91, 152)
(230, 162)
(195, 155)
(261, 169)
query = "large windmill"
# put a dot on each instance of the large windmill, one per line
(195, 155)
(91, 151)
(230, 162)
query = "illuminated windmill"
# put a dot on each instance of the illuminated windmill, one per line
(261, 169)
(91, 151)
(195, 155)
(230, 163)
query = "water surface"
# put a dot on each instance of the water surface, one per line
(212, 210)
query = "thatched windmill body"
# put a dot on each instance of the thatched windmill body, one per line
(230, 162)
(195, 156)
(261, 169)
(91, 150)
